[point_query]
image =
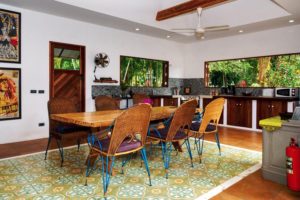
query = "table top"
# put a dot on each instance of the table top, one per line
(105, 118)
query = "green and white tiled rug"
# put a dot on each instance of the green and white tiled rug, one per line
(31, 177)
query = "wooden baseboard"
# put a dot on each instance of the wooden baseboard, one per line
(30, 146)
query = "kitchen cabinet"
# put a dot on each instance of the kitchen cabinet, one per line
(169, 101)
(270, 108)
(156, 102)
(239, 112)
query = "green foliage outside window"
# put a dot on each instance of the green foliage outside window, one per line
(271, 71)
(66, 63)
(141, 72)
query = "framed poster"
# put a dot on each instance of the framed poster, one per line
(10, 36)
(10, 93)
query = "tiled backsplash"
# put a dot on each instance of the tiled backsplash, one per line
(197, 87)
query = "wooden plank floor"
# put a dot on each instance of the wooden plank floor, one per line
(251, 188)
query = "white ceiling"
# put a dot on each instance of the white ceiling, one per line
(250, 16)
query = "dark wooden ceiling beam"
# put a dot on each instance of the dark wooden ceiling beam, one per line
(185, 8)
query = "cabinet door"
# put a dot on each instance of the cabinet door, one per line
(233, 112)
(156, 102)
(278, 107)
(267, 109)
(170, 101)
(245, 118)
(239, 112)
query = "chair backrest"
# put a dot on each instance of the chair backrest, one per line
(129, 124)
(182, 118)
(212, 114)
(139, 98)
(60, 106)
(106, 103)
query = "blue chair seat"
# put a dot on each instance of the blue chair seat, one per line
(125, 146)
(196, 125)
(163, 133)
(69, 129)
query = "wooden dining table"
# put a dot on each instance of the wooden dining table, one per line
(102, 119)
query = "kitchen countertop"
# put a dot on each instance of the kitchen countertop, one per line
(260, 97)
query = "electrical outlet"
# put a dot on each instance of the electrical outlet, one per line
(33, 91)
(41, 91)
(41, 124)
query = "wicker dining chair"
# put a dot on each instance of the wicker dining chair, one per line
(174, 131)
(106, 103)
(61, 131)
(127, 137)
(208, 124)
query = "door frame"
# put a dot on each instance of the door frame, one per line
(82, 71)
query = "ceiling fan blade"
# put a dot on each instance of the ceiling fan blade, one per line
(217, 28)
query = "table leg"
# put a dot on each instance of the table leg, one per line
(177, 146)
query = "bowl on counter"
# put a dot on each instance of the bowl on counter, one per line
(247, 93)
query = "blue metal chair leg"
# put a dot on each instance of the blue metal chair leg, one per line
(202, 145)
(61, 151)
(188, 146)
(163, 145)
(49, 140)
(124, 161)
(106, 173)
(218, 142)
(144, 157)
(87, 171)
(166, 157)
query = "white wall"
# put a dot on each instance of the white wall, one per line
(275, 41)
(38, 29)
(186, 61)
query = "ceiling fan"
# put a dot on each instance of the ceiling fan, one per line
(199, 30)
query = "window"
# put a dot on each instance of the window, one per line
(266, 71)
(66, 59)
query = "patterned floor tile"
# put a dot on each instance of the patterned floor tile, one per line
(32, 177)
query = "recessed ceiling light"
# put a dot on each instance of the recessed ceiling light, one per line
(202, 38)
(291, 21)
(137, 29)
(168, 36)
(241, 31)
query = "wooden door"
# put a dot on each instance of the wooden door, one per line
(67, 73)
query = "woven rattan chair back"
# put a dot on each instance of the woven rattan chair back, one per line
(106, 103)
(182, 118)
(139, 98)
(212, 114)
(59, 106)
(132, 123)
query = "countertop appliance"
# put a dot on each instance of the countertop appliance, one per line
(285, 92)
(268, 92)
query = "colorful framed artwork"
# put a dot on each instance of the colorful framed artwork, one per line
(10, 36)
(10, 93)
